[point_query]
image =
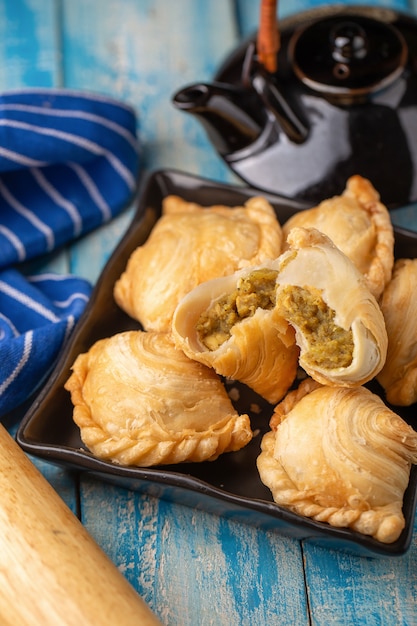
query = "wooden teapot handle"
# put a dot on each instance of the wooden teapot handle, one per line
(268, 40)
(52, 573)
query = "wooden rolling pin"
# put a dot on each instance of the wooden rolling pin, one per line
(52, 573)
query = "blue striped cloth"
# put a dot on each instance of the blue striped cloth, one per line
(37, 316)
(69, 162)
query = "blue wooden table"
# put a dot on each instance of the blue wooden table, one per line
(191, 567)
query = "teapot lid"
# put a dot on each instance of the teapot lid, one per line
(348, 56)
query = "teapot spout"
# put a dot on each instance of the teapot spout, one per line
(225, 113)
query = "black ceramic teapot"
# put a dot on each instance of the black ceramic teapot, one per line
(342, 101)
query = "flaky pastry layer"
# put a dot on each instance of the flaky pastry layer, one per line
(189, 245)
(360, 225)
(399, 307)
(140, 401)
(340, 456)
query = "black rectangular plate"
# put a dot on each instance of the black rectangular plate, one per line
(230, 486)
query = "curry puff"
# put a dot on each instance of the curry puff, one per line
(140, 401)
(360, 225)
(340, 456)
(399, 306)
(189, 245)
(308, 307)
(232, 325)
(339, 326)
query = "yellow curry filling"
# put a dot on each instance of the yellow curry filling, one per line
(257, 290)
(330, 345)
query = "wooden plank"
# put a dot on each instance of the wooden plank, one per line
(343, 589)
(289, 7)
(248, 11)
(142, 53)
(247, 15)
(29, 40)
(195, 568)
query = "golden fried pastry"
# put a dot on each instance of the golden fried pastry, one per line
(339, 326)
(360, 225)
(399, 306)
(140, 401)
(231, 324)
(340, 456)
(240, 324)
(191, 244)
